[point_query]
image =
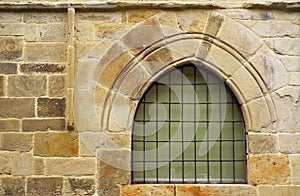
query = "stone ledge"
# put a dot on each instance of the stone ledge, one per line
(108, 5)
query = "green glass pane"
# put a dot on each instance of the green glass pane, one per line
(202, 112)
(201, 91)
(163, 132)
(214, 171)
(198, 146)
(239, 150)
(140, 112)
(189, 171)
(163, 93)
(227, 171)
(163, 172)
(163, 112)
(138, 131)
(239, 171)
(188, 94)
(138, 175)
(188, 131)
(176, 151)
(176, 131)
(151, 173)
(239, 133)
(214, 152)
(151, 94)
(175, 112)
(176, 171)
(189, 153)
(201, 130)
(150, 131)
(227, 133)
(138, 146)
(201, 171)
(188, 112)
(227, 150)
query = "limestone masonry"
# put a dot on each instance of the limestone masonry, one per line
(72, 74)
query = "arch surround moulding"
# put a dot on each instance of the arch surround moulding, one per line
(105, 103)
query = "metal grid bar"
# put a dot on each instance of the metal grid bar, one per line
(179, 173)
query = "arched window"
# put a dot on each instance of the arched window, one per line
(188, 128)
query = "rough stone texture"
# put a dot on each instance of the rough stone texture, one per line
(269, 169)
(70, 166)
(43, 124)
(8, 68)
(29, 31)
(16, 141)
(285, 46)
(44, 186)
(12, 186)
(11, 16)
(57, 86)
(141, 190)
(63, 144)
(23, 164)
(42, 68)
(53, 32)
(38, 166)
(11, 48)
(2, 86)
(289, 143)
(26, 86)
(291, 63)
(262, 143)
(140, 15)
(85, 32)
(278, 190)
(44, 17)
(295, 167)
(51, 107)
(100, 17)
(295, 78)
(9, 125)
(79, 186)
(6, 162)
(216, 190)
(110, 31)
(51, 52)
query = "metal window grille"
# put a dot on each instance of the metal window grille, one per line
(176, 118)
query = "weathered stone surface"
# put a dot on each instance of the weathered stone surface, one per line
(239, 37)
(278, 190)
(16, 107)
(295, 78)
(286, 46)
(57, 86)
(54, 32)
(12, 186)
(295, 167)
(8, 68)
(27, 86)
(273, 28)
(51, 107)
(289, 143)
(191, 20)
(44, 186)
(11, 17)
(23, 164)
(79, 186)
(9, 125)
(214, 23)
(70, 166)
(217, 190)
(262, 143)
(91, 49)
(56, 144)
(38, 166)
(29, 31)
(141, 190)
(6, 162)
(291, 63)
(110, 31)
(11, 48)
(2, 86)
(140, 15)
(51, 52)
(44, 17)
(269, 169)
(42, 68)
(85, 32)
(16, 141)
(43, 124)
(285, 100)
(99, 17)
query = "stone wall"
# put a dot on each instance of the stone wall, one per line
(56, 61)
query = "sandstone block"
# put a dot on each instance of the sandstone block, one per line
(141, 190)
(79, 186)
(16, 107)
(6, 162)
(23, 164)
(43, 124)
(44, 186)
(11, 17)
(295, 78)
(285, 46)
(38, 166)
(99, 17)
(44, 17)
(51, 107)
(110, 31)
(9, 125)
(85, 32)
(278, 190)
(57, 86)
(291, 63)
(16, 141)
(2, 86)
(289, 143)
(51, 52)
(42, 68)
(70, 166)
(54, 32)
(140, 15)
(8, 68)
(262, 143)
(12, 186)
(193, 190)
(269, 169)
(295, 166)
(11, 48)
(29, 31)
(214, 22)
(192, 20)
(27, 86)
(56, 144)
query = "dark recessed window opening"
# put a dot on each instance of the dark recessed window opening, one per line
(188, 128)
